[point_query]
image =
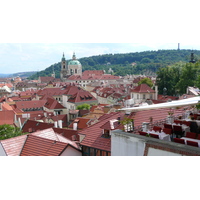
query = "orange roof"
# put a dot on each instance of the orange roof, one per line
(6, 106)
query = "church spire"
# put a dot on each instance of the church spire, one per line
(74, 56)
(63, 58)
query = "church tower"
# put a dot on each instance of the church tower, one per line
(64, 69)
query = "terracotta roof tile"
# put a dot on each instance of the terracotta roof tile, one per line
(37, 146)
(67, 133)
(7, 117)
(30, 104)
(93, 134)
(50, 134)
(14, 145)
(32, 126)
(51, 103)
(82, 96)
(143, 88)
(81, 123)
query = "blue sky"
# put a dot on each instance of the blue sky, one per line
(34, 34)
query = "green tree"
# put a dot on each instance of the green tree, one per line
(187, 78)
(84, 106)
(8, 131)
(147, 81)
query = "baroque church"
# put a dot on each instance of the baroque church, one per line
(72, 72)
(74, 67)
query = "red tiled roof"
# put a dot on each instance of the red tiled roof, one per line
(13, 146)
(93, 77)
(32, 126)
(166, 98)
(37, 146)
(16, 98)
(82, 96)
(111, 125)
(6, 106)
(71, 90)
(82, 123)
(67, 133)
(9, 85)
(30, 104)
(93, 134)
(7, 117)
(51, 91)
(47, 79)
(51, 103)
(157, 114)
(143, 88)
(89, 72)
(50, 134)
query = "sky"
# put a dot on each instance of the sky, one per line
(35, 34)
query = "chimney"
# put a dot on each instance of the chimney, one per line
(75, 126)
(60, 124)
(56, 124)
(156, 92)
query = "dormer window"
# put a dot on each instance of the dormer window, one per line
(106, 133)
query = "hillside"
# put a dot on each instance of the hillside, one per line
(147, 62)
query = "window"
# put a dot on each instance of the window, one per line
(106, 133)
(143, 96)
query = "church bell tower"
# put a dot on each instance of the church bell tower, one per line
(64, 69)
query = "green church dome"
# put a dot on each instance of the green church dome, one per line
(74, 62)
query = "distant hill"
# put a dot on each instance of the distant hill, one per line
(24, 74)
(4, 75)
(147, 62)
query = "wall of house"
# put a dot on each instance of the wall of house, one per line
(102, 100)
(122, 145)
(2, 152)
(70, 151)
(127, 144)
(158, 152)
(138, 97)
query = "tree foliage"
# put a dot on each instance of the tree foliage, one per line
(84, 106)
(8, 131)
(146, 62)
(176, 78)
(147, 81)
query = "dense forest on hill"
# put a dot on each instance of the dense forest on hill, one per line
(147, 62)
